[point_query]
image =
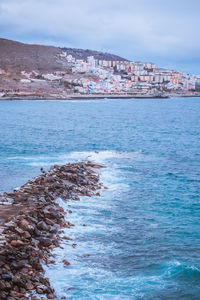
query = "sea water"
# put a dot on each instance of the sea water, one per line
(141, 238)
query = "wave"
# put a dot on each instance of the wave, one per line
(177, 270)
(97, 156)
(174, 271)
(139, 286)
(101, 156)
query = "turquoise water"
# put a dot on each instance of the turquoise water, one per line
(142, 235)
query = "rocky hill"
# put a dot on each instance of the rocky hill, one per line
(37, 71)
(83, 54)
(18, 56)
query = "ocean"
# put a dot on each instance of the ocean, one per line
(141, 238)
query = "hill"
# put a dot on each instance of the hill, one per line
(83, 54)
(18, 56)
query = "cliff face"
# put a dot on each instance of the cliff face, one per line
(18, 56)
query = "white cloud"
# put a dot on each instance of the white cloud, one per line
(141, 29)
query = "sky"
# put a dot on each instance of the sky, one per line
(165, 32)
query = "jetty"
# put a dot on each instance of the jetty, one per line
(31, 223)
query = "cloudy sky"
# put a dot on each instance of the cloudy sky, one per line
(162, 31)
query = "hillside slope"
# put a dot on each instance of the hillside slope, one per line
(16, 56)
(19, 56)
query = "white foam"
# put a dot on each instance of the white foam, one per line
(102, 156)
(154, 225)
(97, 156)
(111, 176)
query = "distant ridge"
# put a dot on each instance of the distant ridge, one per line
(83, 54)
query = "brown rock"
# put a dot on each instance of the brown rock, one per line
(66, 238)
(27, 235)
(50, 296)
(39, 290)
(24, 224)
(2, 285)
(16, 243)
(3, 295)
(37, 226)
(66, 263)
(43, 226)
(19, 230)
(29, 286)
(27, 226)
(51, 247)
(50, 261)
(45, 241)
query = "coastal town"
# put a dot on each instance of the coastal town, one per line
(128, 77)
(92, 77)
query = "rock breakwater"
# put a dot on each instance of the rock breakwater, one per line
(31, 223)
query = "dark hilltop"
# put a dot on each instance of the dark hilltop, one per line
(83, 54)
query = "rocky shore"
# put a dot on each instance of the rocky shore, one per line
(31, 223)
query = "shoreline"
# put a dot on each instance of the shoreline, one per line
(99, 97)
(31, 223)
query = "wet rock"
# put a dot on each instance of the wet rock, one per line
(43, 226)
(19, 230)
(16, 243)
(19, 264)
(37, 223)
(87, 255)
(45, 241)
(40, 290)
(3, 295)
(24, 224)
(27, 235)
(66, 238)
(10, 224)
(18, 281)
(50, 296)
(29, 286)
(65, 262)
(6, 276)
(2, 285)
(53, 229)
